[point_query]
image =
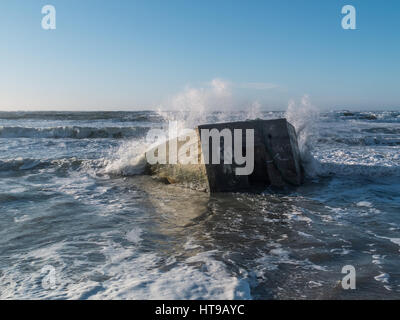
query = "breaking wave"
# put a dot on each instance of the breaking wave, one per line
(26, 164)
(363, 141)
(74, 132)
(120, 116)
(129, 159)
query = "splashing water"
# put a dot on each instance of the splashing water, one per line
(128, 160)
(304, 117)
(188, 109)
(210, 104)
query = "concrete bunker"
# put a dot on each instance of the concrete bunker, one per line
(276, 158)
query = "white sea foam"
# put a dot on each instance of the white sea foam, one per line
(140, 279)
(364, 204)
(190, 244)
(393, 240)
(377, 259)
(358, 161)
(23, 218)
(134, 235)
(126, 274)
(341, 251)
(383, 277)
(315, 284)
(298, 216)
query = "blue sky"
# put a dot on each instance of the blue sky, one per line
(128, 55)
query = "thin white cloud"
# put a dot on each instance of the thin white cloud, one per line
(257, 85)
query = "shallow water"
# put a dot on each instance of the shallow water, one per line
(72, 201)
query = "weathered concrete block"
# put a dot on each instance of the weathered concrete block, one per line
(276, 158)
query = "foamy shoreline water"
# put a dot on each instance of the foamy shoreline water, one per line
(72, 197)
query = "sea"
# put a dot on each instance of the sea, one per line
(80, 220)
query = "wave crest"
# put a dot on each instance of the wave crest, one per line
(74, 132)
